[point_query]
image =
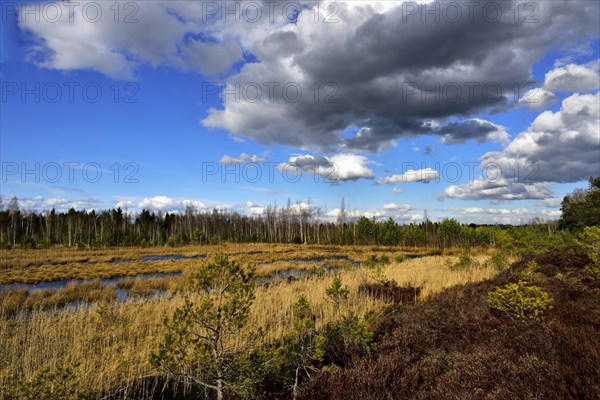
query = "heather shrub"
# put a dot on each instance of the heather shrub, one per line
(593, 270)
(530, 268)
(390, 292)
(520, 302)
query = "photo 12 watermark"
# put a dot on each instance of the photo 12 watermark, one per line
(68, 172)
(69, 92)
(454, 12)
(470, 92)
(332, 173)
(270, 92)
(130, 12)
(267, 11)
(92, 12)
(406, 92)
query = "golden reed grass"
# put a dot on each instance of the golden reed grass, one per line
(13, 302)
(113, 342)
(59, 263)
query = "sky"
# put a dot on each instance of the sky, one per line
(485, 112)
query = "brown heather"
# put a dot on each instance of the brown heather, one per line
(453, 347)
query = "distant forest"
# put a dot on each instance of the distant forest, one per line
(286, 224)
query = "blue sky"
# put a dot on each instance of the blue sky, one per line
(146, 139)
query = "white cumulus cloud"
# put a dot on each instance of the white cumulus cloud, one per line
(420, 175)
(573, 78)
(338, 168)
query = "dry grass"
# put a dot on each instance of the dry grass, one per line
(92, 271)
(307, 265)
(147, 286)
(273, 305)
(113, 343)
(112, 346)
(13, 302)
(33, 266)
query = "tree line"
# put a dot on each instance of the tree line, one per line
(582, 207)
(287, 224)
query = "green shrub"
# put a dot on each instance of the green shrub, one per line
(218, 305)
(373, 260)
(499, 261)
(399, 258)
(198, 236)
(301, 309)
(378, 275)
(290, 360)
(330, 369)
(336, 292)
(59, 383)
(520, 302)
(339, 341)
(317, 271)
(465, 261)
(296, 240)
(346, 266)
(589, 242)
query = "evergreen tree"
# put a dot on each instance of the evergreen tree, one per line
(197, 344)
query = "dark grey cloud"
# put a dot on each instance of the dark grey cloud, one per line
(310, 163)
(472, 129)
(378, 67)
(391, 77)
(380, 134)
(283, 44)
